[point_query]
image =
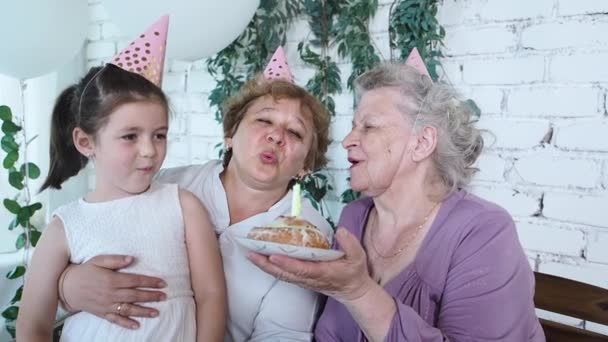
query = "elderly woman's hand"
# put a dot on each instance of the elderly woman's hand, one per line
(345, 279)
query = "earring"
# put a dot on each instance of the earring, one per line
(91, 158)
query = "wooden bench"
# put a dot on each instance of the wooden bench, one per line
(571, 298)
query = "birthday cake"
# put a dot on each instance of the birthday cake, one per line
(291, 230)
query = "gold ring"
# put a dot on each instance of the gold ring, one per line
(118, 308)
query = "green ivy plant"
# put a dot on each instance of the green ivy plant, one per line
(353, 36)
(413, 24)
(355, 43)
(264, 33)
(326, 82)
(337, 24)
(17, 205)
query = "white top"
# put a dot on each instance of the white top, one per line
(150, 227)
(260, 308)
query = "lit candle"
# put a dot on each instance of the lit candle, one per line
(296, 200)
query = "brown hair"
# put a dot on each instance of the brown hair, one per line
(236, 107)
(88, 105)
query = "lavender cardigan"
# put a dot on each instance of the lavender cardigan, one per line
(470, 280)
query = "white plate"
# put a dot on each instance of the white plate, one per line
(304, 253)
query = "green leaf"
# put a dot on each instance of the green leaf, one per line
(24, 216)
(14, 223)
(34, 207)
(32, 170)
(10, 314)
(11, 330)
(5, 113)
(9, 127)
(18, 294)
(21, 239)
(8, 144)
(12, 206)
(16, 272)
(349, 196)
(34, 237)
(10, 159)
(16, 180)
(474, 108)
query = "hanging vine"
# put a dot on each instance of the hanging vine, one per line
(325, 83)
(353, 36)
(355, 43)
(264, 33)
(340, 24)
(413, 24)
(19, 205)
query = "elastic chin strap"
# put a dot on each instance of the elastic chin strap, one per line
(84, 91)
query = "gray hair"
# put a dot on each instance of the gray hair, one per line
(459, 142)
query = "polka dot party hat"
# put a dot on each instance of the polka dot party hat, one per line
(277, 68)
(415, 60)
(146, 54)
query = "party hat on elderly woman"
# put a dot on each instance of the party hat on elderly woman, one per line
(277, 68)
(146, 54)
(415, 60)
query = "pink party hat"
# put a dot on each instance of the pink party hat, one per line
(277, 68)
(146, 55)
(414, 60)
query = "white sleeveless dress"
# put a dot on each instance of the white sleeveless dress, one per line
(150, 227)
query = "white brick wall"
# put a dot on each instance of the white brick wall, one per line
(517, 202)
(583, 208)
(548, 168)
(498, 10)
(556, 101)
(508, 70)
(563, 241)
(576, 7)
(529, 132)
(537, 69)
(596, 247)
(565, 34)
(584, 67)
(589, 135)
(465, 40)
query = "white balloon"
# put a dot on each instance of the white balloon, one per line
(197, 28)
(39, 36)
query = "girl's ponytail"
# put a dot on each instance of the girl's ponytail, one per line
(65, 160)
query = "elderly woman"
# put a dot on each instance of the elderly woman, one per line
(274, 131)
(424, 259)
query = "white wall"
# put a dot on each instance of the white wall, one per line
(537, 70)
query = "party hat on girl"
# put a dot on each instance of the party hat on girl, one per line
(146, 54)
(277, 68)
(415, 60)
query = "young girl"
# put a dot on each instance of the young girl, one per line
(119, 120)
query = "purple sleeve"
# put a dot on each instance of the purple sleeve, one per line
(488, 292)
